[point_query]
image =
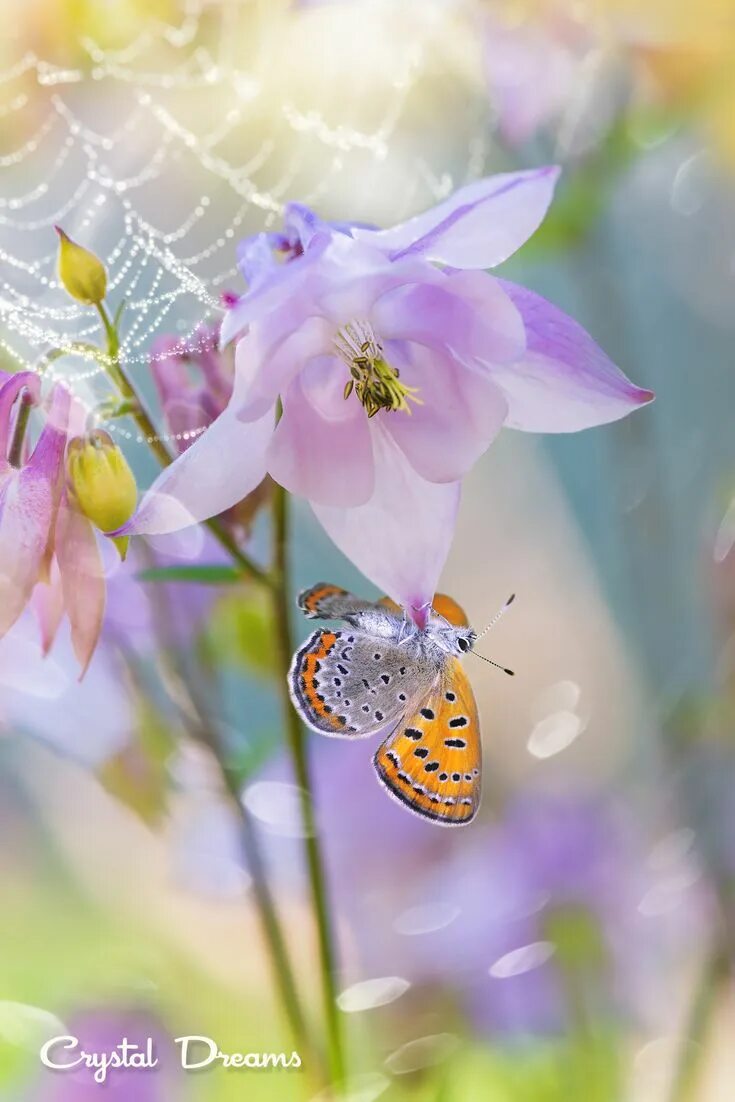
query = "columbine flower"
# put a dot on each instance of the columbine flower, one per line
(48, 548)
(194, 379)
(396, 361)
(100, 482)
(194, 382)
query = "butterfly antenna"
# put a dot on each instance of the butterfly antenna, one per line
(496, 617)
(510, 673)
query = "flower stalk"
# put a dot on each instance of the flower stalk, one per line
(276, 582)
(297, 750)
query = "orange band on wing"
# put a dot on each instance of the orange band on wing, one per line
(308, 684)
(311, 599)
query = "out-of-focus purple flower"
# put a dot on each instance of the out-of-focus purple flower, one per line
(534, 68)
(40, 696)
(508, 920)
(101, 1030)
(143, 615)
(396, 361)
(194, 382)
(194, 379)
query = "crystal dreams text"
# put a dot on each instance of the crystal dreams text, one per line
(65, 1054)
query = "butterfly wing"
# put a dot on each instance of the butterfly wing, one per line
(325, 601)
(432, 760)
(351, 684)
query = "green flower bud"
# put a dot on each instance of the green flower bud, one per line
(81, 273)
(101, 483)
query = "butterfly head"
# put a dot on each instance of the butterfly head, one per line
(449, 638)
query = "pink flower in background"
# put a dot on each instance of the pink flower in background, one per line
(396, 360)
(194, 379)
(534, 68)
(194, 382)
(48, 549)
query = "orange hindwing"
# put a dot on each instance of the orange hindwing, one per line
(432, 760)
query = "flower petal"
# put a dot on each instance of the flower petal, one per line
(28, 503)
(82, 580)
(10, 387)
(220, 468)
(565, 382)
(479, 226)
(47, 602)
(468, 311)
(462, 413)
(321, 448)
(401, 537)
(270, 354)
(280, 284)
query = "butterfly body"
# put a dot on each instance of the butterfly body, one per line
(382, 673)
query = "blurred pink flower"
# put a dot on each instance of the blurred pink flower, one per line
(396, 360)
(48, 550)
(194, 382)
(534, 69)
(194, 379)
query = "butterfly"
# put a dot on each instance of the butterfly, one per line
(383, 671)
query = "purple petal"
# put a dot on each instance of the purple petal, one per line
(219, 469)
(400, 539)
(468, 311)
(269, 355)
(479, 226)
(10, 387)
(82, 581)
(28, 502)
(565, 382)
(462, 413)
(321, 448)
(47, 601)
(284, 281)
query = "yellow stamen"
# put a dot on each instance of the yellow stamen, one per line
(375, 382)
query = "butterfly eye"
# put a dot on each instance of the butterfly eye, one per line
(463, 644)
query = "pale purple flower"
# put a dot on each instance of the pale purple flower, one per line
(396, 360)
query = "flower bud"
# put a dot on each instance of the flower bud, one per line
(101, 483)
(81, 273)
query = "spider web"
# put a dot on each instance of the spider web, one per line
(161, 153)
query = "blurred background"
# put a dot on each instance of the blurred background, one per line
(577, 942)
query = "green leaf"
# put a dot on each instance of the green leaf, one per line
(202, 575)
(240, 633)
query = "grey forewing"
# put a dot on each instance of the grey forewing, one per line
(374, 681)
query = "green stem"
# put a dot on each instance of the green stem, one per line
(699, 1021)
(266, 905)
(283, 971)
(297, 749)
(159, 449)
(21, 424)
